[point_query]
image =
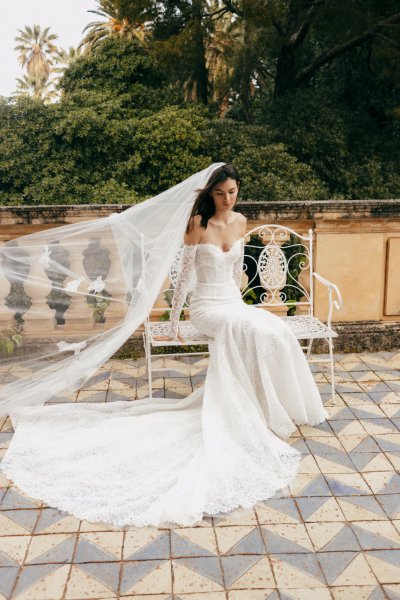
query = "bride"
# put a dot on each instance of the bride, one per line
(160, 461)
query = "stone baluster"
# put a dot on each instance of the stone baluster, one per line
(40, 317)
(6, 315)
(115, 312)
(79, 317)
(16, 301)
(97, 265)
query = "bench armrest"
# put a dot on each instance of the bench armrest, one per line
(338, 302)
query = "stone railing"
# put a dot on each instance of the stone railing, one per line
(356, 246)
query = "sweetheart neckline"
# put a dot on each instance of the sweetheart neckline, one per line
(217, 247)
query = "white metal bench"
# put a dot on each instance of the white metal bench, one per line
(278, 263)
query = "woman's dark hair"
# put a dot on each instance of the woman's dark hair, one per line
(204, 203)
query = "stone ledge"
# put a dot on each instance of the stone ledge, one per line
(254, 210)
(353, 336)
(364, 336)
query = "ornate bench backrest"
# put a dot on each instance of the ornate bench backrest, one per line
(275, 258)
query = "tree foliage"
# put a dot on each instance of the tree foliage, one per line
(302, 96)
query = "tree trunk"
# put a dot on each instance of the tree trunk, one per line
(285, 78)
(200, 74)
(294, 32)
(245, 72)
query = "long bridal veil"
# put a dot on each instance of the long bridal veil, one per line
(70, 296)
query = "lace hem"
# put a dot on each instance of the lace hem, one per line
(247, 499)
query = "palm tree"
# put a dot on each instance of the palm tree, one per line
(29, 87)
(113, 25)
(64, 59)
(221, 49)
(37, 52)
(67, 57)
(232, 57)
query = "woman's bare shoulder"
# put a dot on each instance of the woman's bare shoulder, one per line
(194, 235)
(241, 220)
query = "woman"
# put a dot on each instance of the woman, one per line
(152, 462)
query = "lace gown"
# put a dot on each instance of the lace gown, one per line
(158, 461)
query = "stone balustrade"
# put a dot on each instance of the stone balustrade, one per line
(356, 246)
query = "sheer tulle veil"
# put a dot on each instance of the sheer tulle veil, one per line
(70, 296)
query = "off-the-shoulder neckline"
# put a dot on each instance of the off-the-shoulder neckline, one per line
(215, 246)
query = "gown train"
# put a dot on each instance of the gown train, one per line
(159, 461)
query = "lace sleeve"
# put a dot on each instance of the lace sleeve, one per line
(238, 265)
(181, 287)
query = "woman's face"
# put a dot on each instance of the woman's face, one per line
(224, 194)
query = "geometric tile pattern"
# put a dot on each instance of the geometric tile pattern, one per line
(333, 533)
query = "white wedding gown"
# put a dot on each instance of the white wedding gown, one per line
(157, 461)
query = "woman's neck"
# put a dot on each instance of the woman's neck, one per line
(222, 217)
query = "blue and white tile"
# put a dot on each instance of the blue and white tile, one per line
(41, 582)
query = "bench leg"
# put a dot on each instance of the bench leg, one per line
(146, 374)
(333, 399)
(147, 349)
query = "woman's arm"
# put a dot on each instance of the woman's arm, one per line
(191, 240)
(238, 264)
(181, 287)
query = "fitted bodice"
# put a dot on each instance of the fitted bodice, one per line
(206, 274)
(213, 265)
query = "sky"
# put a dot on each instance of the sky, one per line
(66, 18)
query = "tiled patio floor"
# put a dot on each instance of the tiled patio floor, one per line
(335, 533)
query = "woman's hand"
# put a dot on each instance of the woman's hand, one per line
(168, 338)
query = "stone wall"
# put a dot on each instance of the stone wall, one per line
(356, 246)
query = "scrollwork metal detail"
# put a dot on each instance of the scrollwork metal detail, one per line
(274, 258)
(272, 267)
